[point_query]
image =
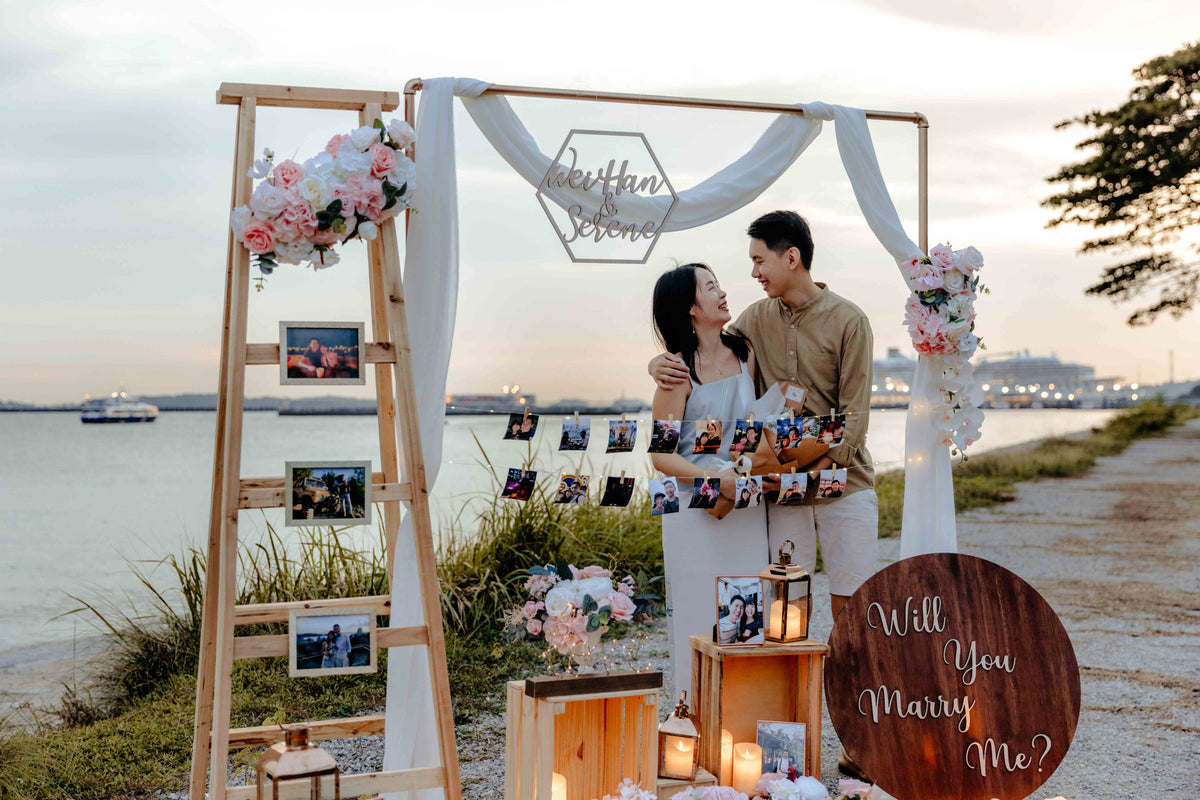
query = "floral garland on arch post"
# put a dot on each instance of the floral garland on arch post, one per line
(940, 315)
(300, 211)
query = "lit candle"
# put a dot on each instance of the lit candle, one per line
(747, 766)
(795, 621)
(677, 760)
(726, 776)
(558, 786)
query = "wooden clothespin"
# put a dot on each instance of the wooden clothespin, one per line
(577, 419)
(750, 418)
(710, 417)
(622, 476)
(622, 416)
(833, 412)
(526, 412)
(671, 418)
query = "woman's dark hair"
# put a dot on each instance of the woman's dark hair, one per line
(781, 230)
(674, 296)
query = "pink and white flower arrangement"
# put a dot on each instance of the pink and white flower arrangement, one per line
(300, 212)
(712, 793)
(940, 316)
(851, 789)
(628, 790)
(573, 607)
(776, 786)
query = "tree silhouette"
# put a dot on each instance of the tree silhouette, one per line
(1141, 186)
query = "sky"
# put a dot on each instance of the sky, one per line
(115, 165)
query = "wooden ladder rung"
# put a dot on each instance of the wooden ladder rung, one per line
(231, 94)
(405, 780)
(268, 353)
(255, 613)
(268, 492)
(319, 731)
(277, 644)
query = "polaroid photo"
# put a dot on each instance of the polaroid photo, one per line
(327, 493)
(321, 354)
(787, 432)
(705, 492)
(664, 435)
(839, 427)
(664, 496)
(811, 429)
(749, 492)
(519, 484)
(825, 436)
(617, 492)
(739, 610)
(708, 437)
(832, 483)
(573, 489)
(622, 433)
(521, 427)
(324, 641)
(746, 437)
(575, 434)
(792, 488)
(782, 746)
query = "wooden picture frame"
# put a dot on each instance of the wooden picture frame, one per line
(293, 499)
(771, 731)
(288, 326)
(728, 586)
(337, 617)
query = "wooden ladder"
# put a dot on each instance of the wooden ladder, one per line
(392, 356)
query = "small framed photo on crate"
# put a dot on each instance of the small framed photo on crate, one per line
(739, 610)
(782, 746)
(326, 641)
(321, 354)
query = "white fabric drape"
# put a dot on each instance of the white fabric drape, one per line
(431, 288)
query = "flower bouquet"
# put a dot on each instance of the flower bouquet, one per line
(571, 608)
(300, 211)
(940, 315)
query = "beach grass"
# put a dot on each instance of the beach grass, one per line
(128, 733)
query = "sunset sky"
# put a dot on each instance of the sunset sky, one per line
(115, 165)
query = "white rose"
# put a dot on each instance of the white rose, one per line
(598, 588)
(367, 230)
(808, 788)
(319, 166)
(351, 160)
(260, 170)
(323, 259)
(293, 252)
(953, 281)
(404, 172)
(401, 132)
(969, 259)
(237, 221)
(267, 201)
(364, 137)
(558, 598)
(315, 192)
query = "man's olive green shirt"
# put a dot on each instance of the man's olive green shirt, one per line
(825, 346)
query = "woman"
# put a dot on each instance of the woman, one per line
(730, 626)
(690, 313)
(329, 651)
(744, 499)
(751, 632)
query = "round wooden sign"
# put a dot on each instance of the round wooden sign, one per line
(950, 678)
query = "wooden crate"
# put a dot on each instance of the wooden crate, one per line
(734, 687)
(669, 787)
(594, 730)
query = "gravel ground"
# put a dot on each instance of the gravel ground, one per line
(1116, 552)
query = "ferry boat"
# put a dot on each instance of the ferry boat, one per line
(118, 407)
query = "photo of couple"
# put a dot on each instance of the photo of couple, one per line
(739, 610)
(746, 436)
(721, 365)
(708, 437)
(664, 436)
(331, 644)
(621, 435)
(575, 434)
(573, 489)
(749, 492)
(521, 427)
(326, 353)
(328, 493)
(664, 496)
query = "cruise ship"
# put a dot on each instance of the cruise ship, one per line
(118, 407)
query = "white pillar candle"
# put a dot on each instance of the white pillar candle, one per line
(747, 766)
(677, 760)
(726, 776)
(558, 786)
(795, 621)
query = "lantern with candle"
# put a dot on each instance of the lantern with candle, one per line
(296, 759)
(787, 588)
(678, 744)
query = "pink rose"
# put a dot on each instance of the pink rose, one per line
(259, 236)
(286, 175)
(530, 610)
(362, 195)
(296, 222)
(335, 143)
(593, 572)
(760, 786)
(942, 257)
(721, 793)
(848, 787)
(622, 607)
(327, 236)
(383, 159)
(625, 587)
(534, 626)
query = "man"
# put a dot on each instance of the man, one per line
(671, 504)
(341, 647)
(343, 489)
(314, 354)
(804, 333)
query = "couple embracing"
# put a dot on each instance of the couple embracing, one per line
(800, 333)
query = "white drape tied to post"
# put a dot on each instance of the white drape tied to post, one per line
(431, 288)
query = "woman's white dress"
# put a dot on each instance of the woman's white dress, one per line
(698, 547)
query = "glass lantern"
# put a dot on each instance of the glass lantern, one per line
(787, 589)
(296, 759)
(678, 744)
